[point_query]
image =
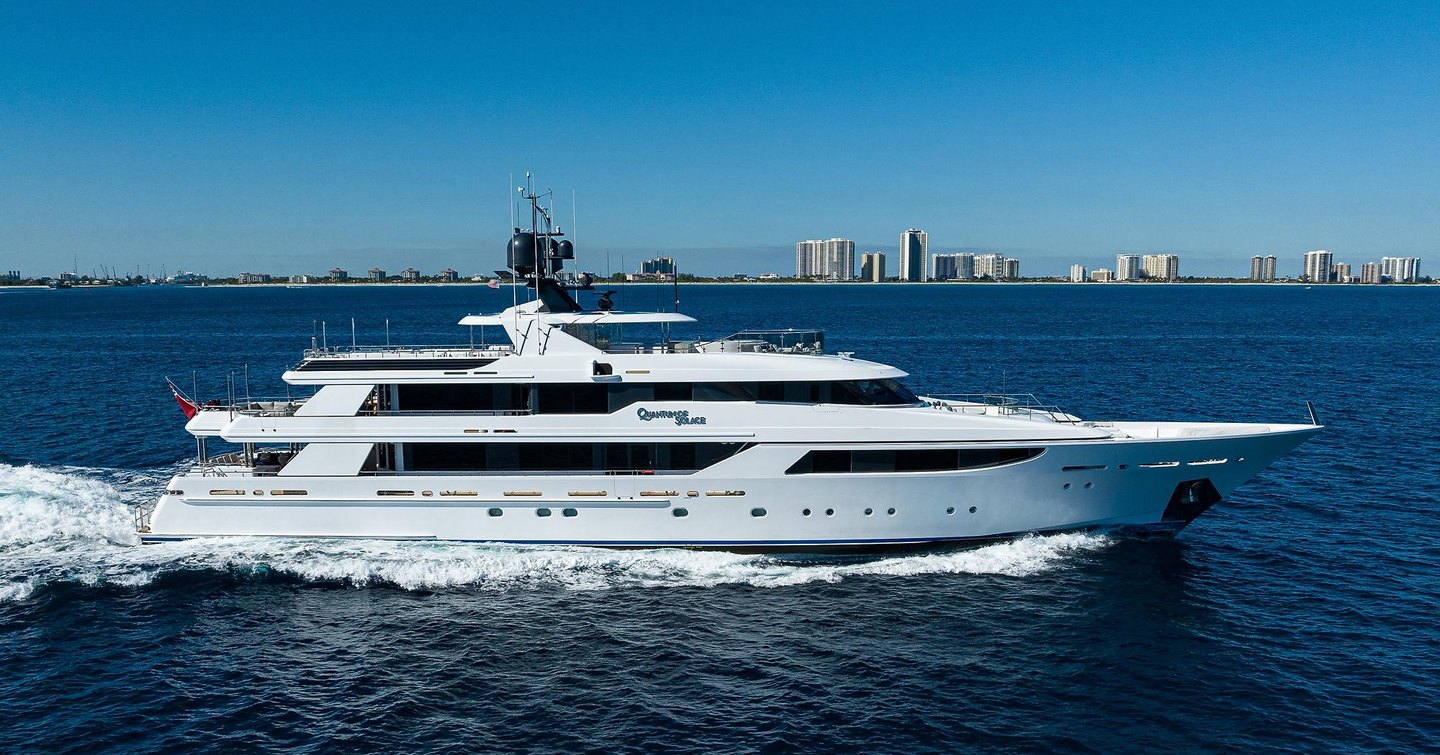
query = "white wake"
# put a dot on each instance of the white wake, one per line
(73, 525)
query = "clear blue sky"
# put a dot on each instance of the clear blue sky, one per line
(290, 137)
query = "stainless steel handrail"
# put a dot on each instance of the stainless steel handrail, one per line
(1004, 404)
(457, 350)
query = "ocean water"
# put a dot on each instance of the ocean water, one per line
(1301, 614)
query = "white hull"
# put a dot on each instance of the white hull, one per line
(846, 511)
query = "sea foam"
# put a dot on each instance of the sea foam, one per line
(73, 525)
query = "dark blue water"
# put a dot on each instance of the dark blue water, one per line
(1301, 614)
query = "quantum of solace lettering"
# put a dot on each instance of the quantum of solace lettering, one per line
(681, 417)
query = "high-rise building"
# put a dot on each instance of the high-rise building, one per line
(1127, 267)
(376, 274)
(995, 266)
(914, 250)
(1317, 266)
(990, 266)
(1400, 269)
(872, 267)
(1257, 268)
(1267, 273)
(658, 266)
(1164, 267)
(1340, 272)
(837, 260)
(965, 266)
(942, 267)
(338, 274)
(829, 260)
(807, 257)
(957, 266)
(1077, 274)
(410, 274)
(1102, 276)
(1370, 272)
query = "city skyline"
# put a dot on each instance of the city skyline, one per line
(393, 135)
(834, 260)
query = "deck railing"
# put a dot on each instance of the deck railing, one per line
(405, 351)
(786, 341)
(1004, 404)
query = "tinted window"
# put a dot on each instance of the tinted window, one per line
(563, 457)
(624, 395)
(573, 398)
(602, 398)
(722, 392)
(461, 397)
(443, 456)
(673, 391)
(909, 460)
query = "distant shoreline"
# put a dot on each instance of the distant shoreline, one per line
(600, 284)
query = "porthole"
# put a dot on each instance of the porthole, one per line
(869, 512)
(891, 512)
(806, 512)
(569, 512)
(1089, 485)
(950, 510)
(757, 512)
(680, 512)
(972, 509)
(829, 512)
(497, 512)
(1066, 486)
(542, 512)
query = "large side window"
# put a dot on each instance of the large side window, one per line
(573, 398)
(566, 457)
(723, 392)
(461, 397)
(908, 460)
(626, 394)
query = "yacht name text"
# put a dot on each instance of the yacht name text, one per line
(681, 417)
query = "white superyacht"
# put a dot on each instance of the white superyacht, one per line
(755, 442)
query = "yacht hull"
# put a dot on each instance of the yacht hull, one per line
(746, 503)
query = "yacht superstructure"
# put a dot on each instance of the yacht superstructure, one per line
(759, 441)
